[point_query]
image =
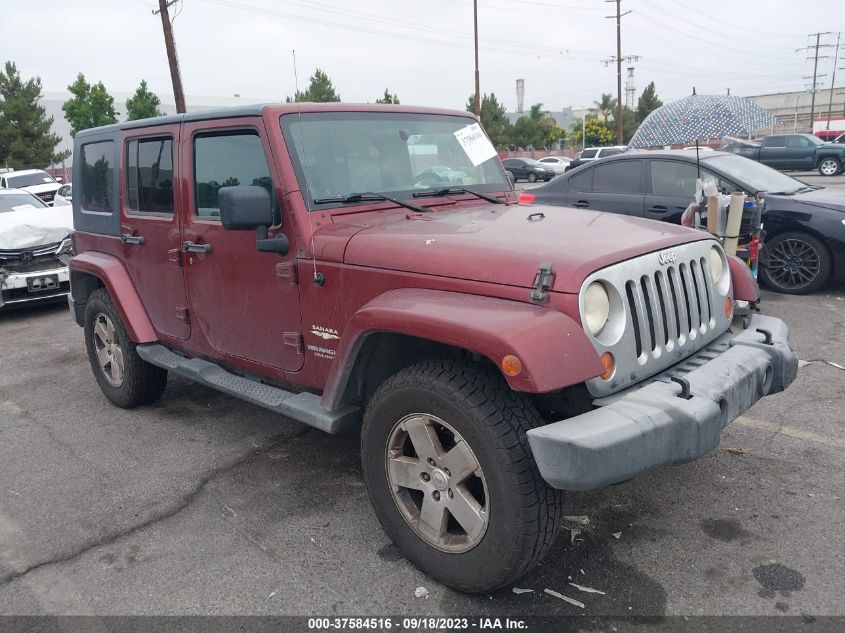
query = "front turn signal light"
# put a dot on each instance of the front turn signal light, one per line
(729, 307)
(511, 365)
(609, 364)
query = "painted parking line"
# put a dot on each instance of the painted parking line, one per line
(791, 431)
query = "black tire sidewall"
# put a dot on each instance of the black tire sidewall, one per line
(464, 570)
(825, 264)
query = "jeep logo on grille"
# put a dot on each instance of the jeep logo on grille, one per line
(667, 258)
(26, 256)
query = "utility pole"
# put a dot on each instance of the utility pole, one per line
(477, 83)
(175, 77)
(619, 116)
(815, 58)
(833, 79)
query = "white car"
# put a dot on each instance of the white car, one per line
(63, 196)
(35, 249)
(558, 163)
(36, 181)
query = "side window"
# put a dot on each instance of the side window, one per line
(149, 175)
(226, 160)
(673, 178)
(97, 186)
(775, 141)
(583, 181)
(726, 185)
(589, 153)
(621, 176)
(797, 142)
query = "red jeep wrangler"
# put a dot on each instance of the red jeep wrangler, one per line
(368, 267)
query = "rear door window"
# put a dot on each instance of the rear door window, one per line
(673, 178)
(149, 176)
(589, 153)
(774, 141)
(622, 176)
(582, 181)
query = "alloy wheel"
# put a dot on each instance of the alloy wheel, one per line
(793, 263)
(829, 167)
(108, 350)
(437, 483)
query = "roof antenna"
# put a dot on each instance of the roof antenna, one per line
(319, 278)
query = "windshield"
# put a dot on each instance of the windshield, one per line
(753, 174)
(18, 201)
(27, 180)
(338, 154)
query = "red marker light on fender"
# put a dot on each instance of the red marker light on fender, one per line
(526, 198)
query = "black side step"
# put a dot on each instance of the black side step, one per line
(303, 407)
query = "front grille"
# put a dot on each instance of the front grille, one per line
(47, 196)
(29, 260)
(670, 308)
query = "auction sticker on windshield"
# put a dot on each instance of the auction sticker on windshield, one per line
(475, 143)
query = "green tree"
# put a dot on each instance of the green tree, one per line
(143, 104)
(630, 122)
(90, 106)
(25, 136)
(320, 90)
(494, 119)
(535, 129)
(648, 102)
(388, 98)
(596, 133)
(605, 106)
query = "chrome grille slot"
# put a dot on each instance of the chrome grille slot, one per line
(672, 309)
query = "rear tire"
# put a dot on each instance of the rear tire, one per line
(461, 411)
(829, 167)
(795, 263)
(125, 379)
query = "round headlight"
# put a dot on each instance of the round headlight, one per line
(596, 307)
(716, 266)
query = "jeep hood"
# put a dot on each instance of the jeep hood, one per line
(506, 245)
(34, 226)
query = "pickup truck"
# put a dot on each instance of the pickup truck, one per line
(490, 355)
(794, 152)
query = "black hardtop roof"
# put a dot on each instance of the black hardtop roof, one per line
(259, 108)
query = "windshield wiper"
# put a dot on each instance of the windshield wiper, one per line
(781, 193)
(450, 190)
(367, 197)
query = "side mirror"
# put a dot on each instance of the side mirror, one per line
(511, 179)
(250, 207)
(245, 207)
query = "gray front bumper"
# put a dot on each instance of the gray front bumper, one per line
(652, 425)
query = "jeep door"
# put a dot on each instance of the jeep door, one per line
(245, 302)
(615, 186)
(149, 226)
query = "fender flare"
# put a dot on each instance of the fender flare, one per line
(744, 285)
(554, 350)
(114, 276)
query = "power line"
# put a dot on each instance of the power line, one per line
(815, 59)
(618, 16)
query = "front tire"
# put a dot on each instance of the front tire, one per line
(532, 177)
(829, 167)
(451, 476)
(124, 378)
(795, 263)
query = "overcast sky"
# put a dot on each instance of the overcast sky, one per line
(422, 49)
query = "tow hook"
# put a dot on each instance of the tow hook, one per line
(767, 336)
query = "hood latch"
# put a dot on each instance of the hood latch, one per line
(543, 281)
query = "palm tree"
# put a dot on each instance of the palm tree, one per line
(606, 107)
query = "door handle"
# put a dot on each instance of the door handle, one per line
(581, 204)
(658, 208)
(190, 247)
(126, 238)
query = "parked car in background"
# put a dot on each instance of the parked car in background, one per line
(805, 234)
(35, 181)
(558, 163)
(528, 169)
(63, 195)
(828, 129)
(793, 152)
(35, 248)
(590, 154)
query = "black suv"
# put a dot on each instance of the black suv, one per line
(528, 169)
